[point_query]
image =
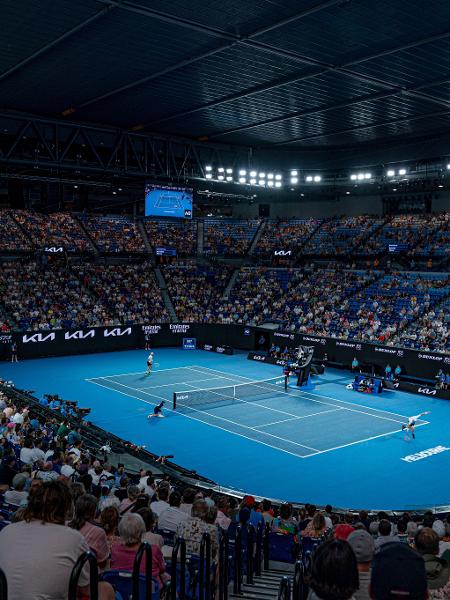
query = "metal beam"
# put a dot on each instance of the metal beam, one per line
(439, 113)
(297, 77)
(413, 91)
(55, 42)
(233, 39)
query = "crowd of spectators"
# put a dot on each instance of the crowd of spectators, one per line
(48, 297)
(55, 229)
(130, 291)
(180, 235)
(114, 234)
(286, 234)
(340, 236)
(56, 494)
(407, 230)
(12, 237)
(196, 290)
(229, 238)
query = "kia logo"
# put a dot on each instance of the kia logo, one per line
(79, 335)
(38, 337)
(117, 332)
(283, 252)
(426, 391)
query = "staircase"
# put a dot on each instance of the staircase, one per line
(200, 236)
(165, 295)
(257, 236)
(230, 284)
(264, 587)
(94, 248)
(143, 232)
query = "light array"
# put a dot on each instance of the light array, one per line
(391, 172)
(253, 177)
(360, 176)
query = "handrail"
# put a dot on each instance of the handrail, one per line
(284, 590)
(180, 545)
(3, 586)
(93, 576)
(206, 545)
(266, 547)
(223, 566)
(298, 585)
(258, 550)
(237, 582)
(250, 552)
(146, 548)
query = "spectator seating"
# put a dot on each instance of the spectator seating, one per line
(341, 236)
(130, 291)
(229, 237)
(56, 229)
(12, 237)
(289, 234)
(181, 235)
(402, 229)
(196, 290)
(113, 234)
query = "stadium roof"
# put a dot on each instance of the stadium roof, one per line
(265, 73)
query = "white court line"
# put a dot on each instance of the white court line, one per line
(242, 401)
(138, 373)
(171, 384)
(316, 452)
(200, 420)
(205, 412)
(374, 437)
(296, 418)
(303, 392)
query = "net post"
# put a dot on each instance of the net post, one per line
(174, 401)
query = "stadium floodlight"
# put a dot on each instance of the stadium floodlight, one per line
(262, 182)
(278, 177)
(220, 177)
(367, 175)
(448, 166)
(294, 173)
(270, 183)
(402, 171)
(242, 180)
(278, 184)
(353, 177)
(262, 175)
(360, 176)
(348, 193)
(221, 170)
(208, 168)
(229, 178)
(391, 173)
(253, 173)
(317, 178)
(294, 180)
(253, 181)
(229, 171)
(242, 172)
(269, 175)
(208, 175)
(309, 178)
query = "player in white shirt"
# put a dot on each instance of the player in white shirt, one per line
(149, 363)
(412, 423)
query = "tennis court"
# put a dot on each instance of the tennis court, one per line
(301, 423)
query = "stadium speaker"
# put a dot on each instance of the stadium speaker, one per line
(16, 193)
(264, 210)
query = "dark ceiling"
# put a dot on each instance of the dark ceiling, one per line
(300, 74)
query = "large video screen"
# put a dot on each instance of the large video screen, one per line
(168, 201)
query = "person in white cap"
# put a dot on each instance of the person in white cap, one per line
(149, 363)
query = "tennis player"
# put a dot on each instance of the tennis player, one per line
(157, 411)
(412, 423)
(149, 363)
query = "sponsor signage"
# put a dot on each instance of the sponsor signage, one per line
(220, 349)
(283, 253)
(425, 454)
(6, 338)
(53, 249)
(179, 328)
(79, 335)
(165, 251)
(117, 332)
(151, 329)
(189, 343)
(37, 338)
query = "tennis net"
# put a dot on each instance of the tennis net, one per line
(250, 391)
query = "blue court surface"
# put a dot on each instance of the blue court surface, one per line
(324, 445)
